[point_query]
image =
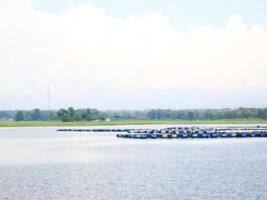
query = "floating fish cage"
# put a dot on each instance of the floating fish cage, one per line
(183, 132)
(196, 132)
(193, 136)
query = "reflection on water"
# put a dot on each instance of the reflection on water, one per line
(39, 163)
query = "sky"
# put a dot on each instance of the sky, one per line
(139, 54)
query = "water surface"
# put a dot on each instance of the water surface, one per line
(40, 163)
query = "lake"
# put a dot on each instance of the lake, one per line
(40, 163)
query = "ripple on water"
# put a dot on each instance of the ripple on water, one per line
(91, 166)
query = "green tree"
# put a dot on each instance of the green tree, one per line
(87, 115)
(64, 115)
(71, 112)
(36, 114)
(20, 116)
(190, 115)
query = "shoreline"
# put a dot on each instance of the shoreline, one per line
(129, 122)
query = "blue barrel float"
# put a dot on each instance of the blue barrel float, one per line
(224, 135)
(252, 134)
(184, 135)
(154, 136)
(243, 135)
(233, 135)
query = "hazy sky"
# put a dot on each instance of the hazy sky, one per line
(133, 54)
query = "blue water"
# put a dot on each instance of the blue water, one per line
(40, 163)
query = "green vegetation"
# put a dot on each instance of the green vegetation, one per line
(89, 116)
(71, 115)
(128, 122)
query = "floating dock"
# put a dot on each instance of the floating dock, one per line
(93, 130)
(184, 132)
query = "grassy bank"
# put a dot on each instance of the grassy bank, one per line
(128, 122)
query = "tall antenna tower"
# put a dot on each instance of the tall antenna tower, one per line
(48, 97)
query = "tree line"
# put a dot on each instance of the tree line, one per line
(89, 114)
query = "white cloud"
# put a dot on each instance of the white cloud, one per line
(84, 50)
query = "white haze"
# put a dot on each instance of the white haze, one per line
(92, 60)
